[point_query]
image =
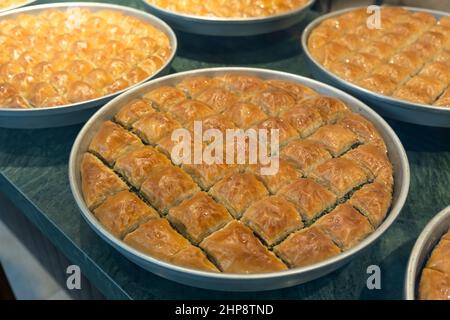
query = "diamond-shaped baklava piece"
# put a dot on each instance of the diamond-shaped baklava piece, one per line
(375, 161)
(439, 259)
(152, 127)
(285, 173)
(124, 212)
(157, 239)
(306, 247)
(206, 175)
(133, 111)
(434, 285)
(243, 85)
(310, 198)
(286, 132)
(245, 114)
(218, 99)
(111, 141)
(335, 138)
(193, 86)
(305, 154)
(272, 219)
(422, 89)
(136, 165)
(98, 182)
(437, 70)
(193, 258)
(373, 201)
(331, 109)
(235, 249)
(378, 83)
(339, 175)
(165, 97)
(305, 120)
(190, 110)
(273, 101)
(297, 90)
(166, 186)
(391, 71)
(346, 226)
(347, 70)
(217, 121)
(364, 130)
(238, 191)
(199, 216)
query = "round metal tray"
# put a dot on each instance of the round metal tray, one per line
(425, 244)
(239, 282)
(417, 113)
(77, 112)
(26, 3)
(214, 26)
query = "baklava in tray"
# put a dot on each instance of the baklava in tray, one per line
(57, 57)
(408, 58)
(230, 8)
(332, 189)
(6, 4)
(435, 279)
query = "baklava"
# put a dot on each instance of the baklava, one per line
(61, 57)
(331, 187)
(435, 279)
(230, 8)
(5, 4)
(406, 57)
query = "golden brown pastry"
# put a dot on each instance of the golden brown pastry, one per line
(434, 285)
(440, 257)
(135, 166)
(306, 247)
(444, 99)
(112, 141)
(98, 182)
(310, 198)
(124, 212)
(166, 186)
(346, 226)
(238, 191)
(272, 219)
(199, 216)
(229, 9)
(247, 216)
(340, 175)
(10, 3)
(235, 249)
(62, 56)
(407, 58)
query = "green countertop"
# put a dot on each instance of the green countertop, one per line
(33, 173)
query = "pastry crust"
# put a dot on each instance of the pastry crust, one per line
(304, 119)
(152, 127)
(305, 154)
(444, 99)
(273, 182)
(421, 88)
(236, 250)
(199, 216)
(335, 138)
(306, 247)
(373, 201)
(272, 219)
(245, 114)
(331, 109)
(98, 182)
(340, 175)
(157, 239)
(440, 257)
(206, 175)
(218, 98)
(298, 91)
(193, 86)
(273, 101)
(166, 186)
(165, 97)
(378, 83)
(193, 258)
(113, 141)
(133, 111)
(286, 132)
(190, 110)
(309, 198)
(237, 192)
(123, 212)
(345, 226)
(135, 166)
(243, 85)
(434, 285)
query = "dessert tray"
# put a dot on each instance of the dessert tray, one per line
(402, 69)
(220, 18)
(342, 179)
(428, 273)
(60, 61)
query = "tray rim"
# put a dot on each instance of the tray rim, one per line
(419, 252)
(355, 88)
(145, 16)
(119, 245)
